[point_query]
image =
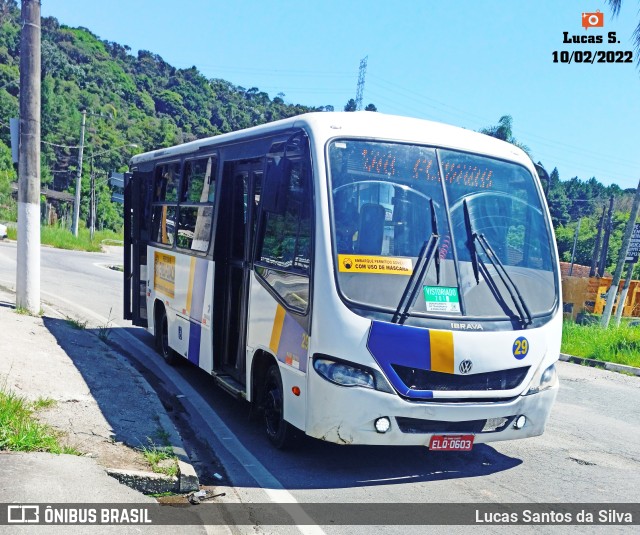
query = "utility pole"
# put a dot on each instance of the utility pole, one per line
(76, 205)
(596, 249)
(605, 241)
(626, 240)
(28, 260)
(623, 295)
(93, 198)
(575, 242)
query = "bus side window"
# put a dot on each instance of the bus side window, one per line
(195, 213)
(284, 254)
(165, 199)
(166, 183)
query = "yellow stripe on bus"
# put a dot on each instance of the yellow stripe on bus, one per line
(278, 322)
(441, 351)
(192, 272)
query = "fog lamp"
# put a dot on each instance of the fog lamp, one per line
(519, 422)
(382, 424)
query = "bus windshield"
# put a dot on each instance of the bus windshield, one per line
(494, 255)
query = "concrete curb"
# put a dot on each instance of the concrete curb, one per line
(150, 482)
(146, 482)
(610, 366)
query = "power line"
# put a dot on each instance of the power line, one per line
(61, 146)
(9, 83)
(467, 114)
(280, 72)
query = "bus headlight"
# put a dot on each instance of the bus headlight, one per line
(548, 379)
(345, 373)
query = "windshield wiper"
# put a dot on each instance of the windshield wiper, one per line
(428, 253)
(470, 241)
(507, 281)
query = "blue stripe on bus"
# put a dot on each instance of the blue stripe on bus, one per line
(390, 343)
(195, 333)
(197, 305)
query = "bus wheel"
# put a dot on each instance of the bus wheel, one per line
(280, 432)
(162, 339)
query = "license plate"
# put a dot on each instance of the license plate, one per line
(451, 442)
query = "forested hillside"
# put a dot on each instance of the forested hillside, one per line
(139, 99)
(131, 99)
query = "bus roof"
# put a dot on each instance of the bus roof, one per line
(365, 124)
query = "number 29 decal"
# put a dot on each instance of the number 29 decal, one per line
(520, 348)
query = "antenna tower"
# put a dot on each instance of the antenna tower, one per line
(361, 75)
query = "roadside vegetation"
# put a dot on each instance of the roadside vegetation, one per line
(20, 429)
(620, 345)
(161, 459)
(62, 238)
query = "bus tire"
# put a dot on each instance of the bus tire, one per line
(162, 339)
(279, 432)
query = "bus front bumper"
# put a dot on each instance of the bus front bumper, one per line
(347, 415)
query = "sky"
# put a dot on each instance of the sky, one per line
(462, 62)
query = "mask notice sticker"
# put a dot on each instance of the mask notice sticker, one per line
(441, 299)
(381, 265)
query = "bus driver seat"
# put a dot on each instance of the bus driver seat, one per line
(371, 229)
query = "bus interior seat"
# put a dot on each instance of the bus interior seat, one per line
(371, 229)
(346, 225)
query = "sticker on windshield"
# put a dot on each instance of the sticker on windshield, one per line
(382, 265)
(441, 299)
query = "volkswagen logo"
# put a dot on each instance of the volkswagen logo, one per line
(465, 366)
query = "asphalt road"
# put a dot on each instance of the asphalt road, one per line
(588, 454)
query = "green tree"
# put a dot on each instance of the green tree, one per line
(350, 106)
(8, 209)
(504, 131)
(557, 200)
(616, 5)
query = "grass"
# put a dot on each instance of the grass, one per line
(620, 345)
(64, 239)
(25, 312)
(156, 454)
(20, 430)
(104, 331)
(43, 403)
(78, 324)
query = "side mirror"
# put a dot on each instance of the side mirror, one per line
(276, 185)
(545, 179)
(278, 172)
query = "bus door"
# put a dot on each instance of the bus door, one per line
(137, 189)
(241, 186)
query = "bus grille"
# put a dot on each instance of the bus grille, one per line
(417, 379)
(415, 426)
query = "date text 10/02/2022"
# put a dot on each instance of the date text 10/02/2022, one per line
(589, 56)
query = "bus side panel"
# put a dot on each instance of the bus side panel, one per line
(183, 283)
(273, 329)
(205, 358)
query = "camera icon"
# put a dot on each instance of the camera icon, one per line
(593, 20)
